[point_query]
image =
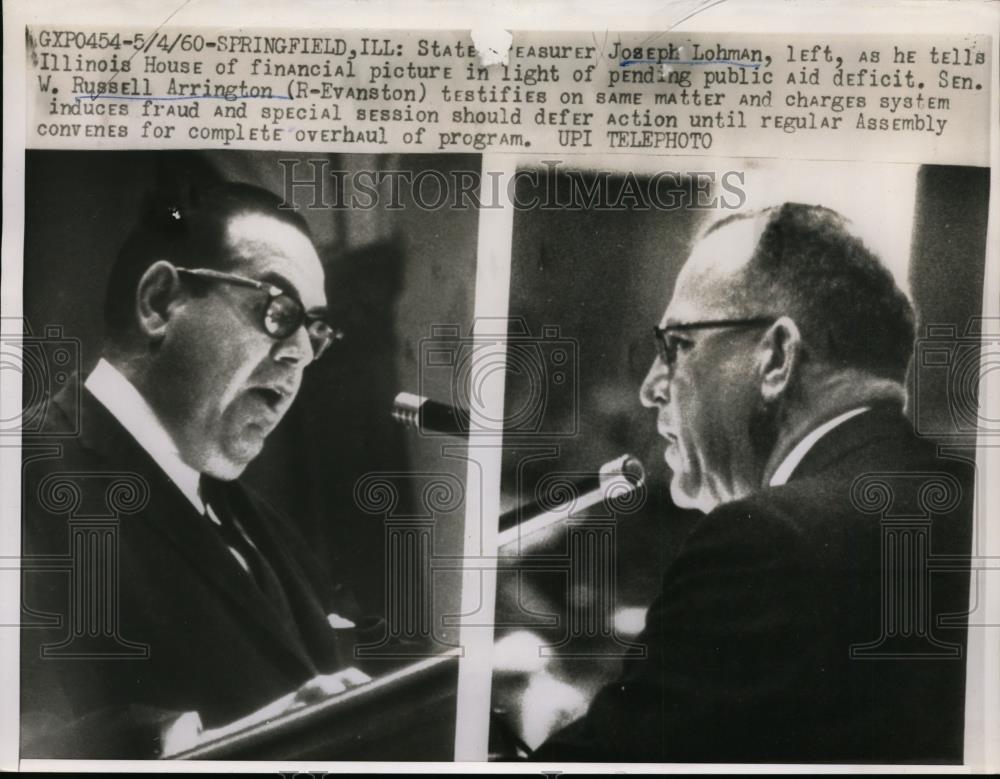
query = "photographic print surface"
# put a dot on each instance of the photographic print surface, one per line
(396, 384)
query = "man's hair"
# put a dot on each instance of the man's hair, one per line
(843, 299)
(186, 229)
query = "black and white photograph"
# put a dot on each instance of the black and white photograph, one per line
(744, 534)
(534, 388)
(228, 527)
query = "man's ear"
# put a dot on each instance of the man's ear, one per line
(780, 354)
(156, 294)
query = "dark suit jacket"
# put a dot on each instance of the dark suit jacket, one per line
(800, 625)
(173, 624)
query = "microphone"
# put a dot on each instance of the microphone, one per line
(618, 480)
(418, 412)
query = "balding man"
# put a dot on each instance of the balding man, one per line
(798, 623)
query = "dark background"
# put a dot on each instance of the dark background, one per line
(392, 273)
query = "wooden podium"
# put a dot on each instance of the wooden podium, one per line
(408, 714)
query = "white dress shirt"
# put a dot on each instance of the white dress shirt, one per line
(125, 403)
(784, 471)
(120, 397)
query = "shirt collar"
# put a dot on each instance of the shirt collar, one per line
(120, 397)
(784, 471)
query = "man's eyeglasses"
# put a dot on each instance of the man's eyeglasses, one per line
(283, 314)
(667, 342)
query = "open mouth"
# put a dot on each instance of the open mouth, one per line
(271, 396)
(670, 437)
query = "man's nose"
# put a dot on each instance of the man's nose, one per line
(296, 349)
(655, 389)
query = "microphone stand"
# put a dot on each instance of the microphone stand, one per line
(527, 524)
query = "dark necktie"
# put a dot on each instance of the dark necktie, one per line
(216, 495)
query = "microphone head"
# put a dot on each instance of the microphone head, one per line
(627, 467)
(406, 409)
(418, 412)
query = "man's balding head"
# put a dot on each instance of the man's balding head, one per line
(808, 262)
(801, 314)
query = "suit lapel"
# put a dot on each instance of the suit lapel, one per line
(171, 515)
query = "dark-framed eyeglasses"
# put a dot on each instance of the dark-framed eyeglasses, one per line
(282, 315)
(667, 342)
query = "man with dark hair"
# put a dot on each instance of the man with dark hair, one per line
(176, 225)
(800, 621)
(202, 605)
